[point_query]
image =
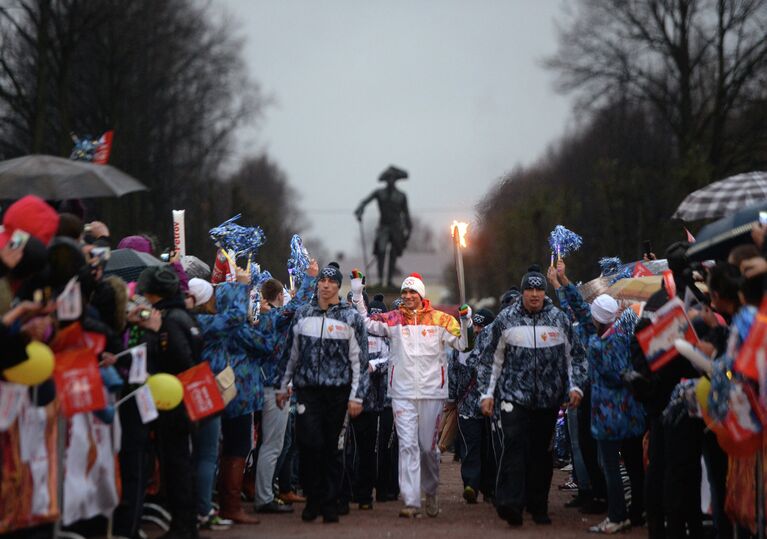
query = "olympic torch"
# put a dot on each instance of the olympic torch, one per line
(458, 231)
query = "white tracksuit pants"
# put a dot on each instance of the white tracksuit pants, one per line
(417, 422)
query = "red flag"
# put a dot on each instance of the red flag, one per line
(657, 339)
(754, 349)
(78, 381)
(201, 394)
(104, 149)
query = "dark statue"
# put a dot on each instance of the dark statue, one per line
(394, 227)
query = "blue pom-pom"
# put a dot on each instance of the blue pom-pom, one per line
(609, 264)
(85, 148)
(564, 242)
(241, 240)
(298, 262)
(625, 273)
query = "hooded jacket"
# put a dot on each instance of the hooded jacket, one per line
(327, 349)
(179, 337)
(229, 338)
(533, 358)
(615, 413)
(418, 340)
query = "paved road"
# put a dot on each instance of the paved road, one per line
(455, 520)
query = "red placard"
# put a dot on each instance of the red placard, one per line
(657, 339)
(78, 382)
(201, 394)
(754, 349)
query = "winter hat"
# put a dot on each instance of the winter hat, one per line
(414, 282)
(396, 304)
(534, 279)
(483, 317)
(333, 272)
(377, 306)
(30, 214)
(142, 244)
(201, 290)
(365, 298)
(510, 296)
(604, 309)
(159, 280)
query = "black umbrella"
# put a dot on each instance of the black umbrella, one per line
(714, 241)
(128, 264)
(56, 178)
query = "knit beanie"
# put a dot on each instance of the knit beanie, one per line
(604, 309)
(534, 279)
(510, 296)
(333, 272)
(396, 304)
(483, 317)
(159, 280)
(377, 306)
(201, 290)
(414, 282)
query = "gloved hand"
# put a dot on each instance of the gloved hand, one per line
(358, 282)
(464, 311)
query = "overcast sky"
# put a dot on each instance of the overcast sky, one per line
(451, 91)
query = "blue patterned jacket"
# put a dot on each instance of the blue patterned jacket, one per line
(228, 334)
(274, 325)
(464, 388)
(533, 359)
(615, 413)
(327, 349)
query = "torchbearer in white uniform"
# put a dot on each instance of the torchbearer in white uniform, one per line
(418, 385)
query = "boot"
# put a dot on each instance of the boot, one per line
(229, 490)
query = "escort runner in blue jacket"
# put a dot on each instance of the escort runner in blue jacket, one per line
(328, 364)
(534, 359)
(478, 468)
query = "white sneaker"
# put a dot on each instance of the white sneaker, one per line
(432, 505)
(609, 527)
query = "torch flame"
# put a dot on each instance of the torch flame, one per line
(459, 229)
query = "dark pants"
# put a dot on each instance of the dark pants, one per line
(716, 467)
(477, 461)
(134, 471)
(364, 434)
(237, 436)
(526, 468)
(286, 469)
(633, 458)
(672, 482)
(173, 432)
(610, 461)
(588, 446)
(387, 484)
(321, 412)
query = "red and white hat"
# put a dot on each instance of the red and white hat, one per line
(414, 281)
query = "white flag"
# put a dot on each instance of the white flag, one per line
(69, 304)
(145, 404)
(138, 374)
(12, 397)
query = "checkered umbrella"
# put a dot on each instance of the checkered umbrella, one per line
(724, 197)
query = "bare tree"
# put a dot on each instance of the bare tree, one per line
(699, 63)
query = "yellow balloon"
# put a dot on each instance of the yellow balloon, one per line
(702, 389)
(166, 389)
(36, 369)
